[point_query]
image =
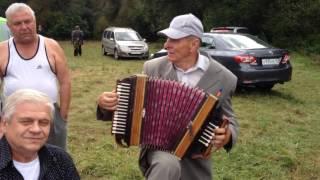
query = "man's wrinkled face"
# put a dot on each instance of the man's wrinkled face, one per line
(181, 50)
(29, 127)
(178, 49)
(23, 26)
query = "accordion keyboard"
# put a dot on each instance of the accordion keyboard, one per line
(120, 115)
(207, 135)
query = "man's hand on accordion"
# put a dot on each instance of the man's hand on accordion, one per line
(108, 100)
(222, 135)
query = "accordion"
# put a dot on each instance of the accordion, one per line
(162, 115)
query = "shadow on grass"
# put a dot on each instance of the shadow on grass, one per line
(254, 91)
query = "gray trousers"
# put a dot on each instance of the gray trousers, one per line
(58, 130)
(159, 165)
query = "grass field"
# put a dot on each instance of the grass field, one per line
(279, 130)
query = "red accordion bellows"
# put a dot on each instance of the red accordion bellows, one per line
(159, 114)
(170, 108)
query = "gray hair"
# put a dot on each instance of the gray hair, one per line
(15, 7)
(22, 96)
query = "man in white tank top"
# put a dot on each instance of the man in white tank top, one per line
(29, 60)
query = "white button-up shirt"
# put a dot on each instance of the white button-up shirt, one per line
(192, 76)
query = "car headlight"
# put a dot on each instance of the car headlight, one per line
(124, 48)
(145, 47)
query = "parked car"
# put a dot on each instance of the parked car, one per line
(252, 60)
(234, 29)
(123, 42)
(4, 30)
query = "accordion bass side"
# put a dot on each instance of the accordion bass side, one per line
(162, 115)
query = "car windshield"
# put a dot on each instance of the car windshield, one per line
(239, 41)
(127, 36)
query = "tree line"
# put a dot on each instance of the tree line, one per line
(291, 24)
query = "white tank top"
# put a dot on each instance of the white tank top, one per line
(34, 73)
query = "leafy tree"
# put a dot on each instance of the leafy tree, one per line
(284, 23)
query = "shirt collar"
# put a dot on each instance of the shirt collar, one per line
(201, 64)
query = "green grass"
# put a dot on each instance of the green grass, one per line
(279, 130)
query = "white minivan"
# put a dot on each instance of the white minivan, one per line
(123, 42)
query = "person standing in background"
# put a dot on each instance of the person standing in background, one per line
(29, 60)
(77, 40)
(40, 29)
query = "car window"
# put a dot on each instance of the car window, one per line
(127, 36)
(207, 42)
(236, 41)
(108, 34)
(104, 35)
(111, 35)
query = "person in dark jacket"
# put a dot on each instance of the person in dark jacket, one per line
(26, 119)
(77, 40)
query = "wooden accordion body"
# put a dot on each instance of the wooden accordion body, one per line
(162, 115)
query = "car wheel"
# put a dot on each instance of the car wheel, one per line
(265, 87)
(104, 53)
(143, 58)
(116, 54)
(146, 57)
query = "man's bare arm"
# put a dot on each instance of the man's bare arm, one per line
(57, 57)
(3, 57)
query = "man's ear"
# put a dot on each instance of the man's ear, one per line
(1, 131)
(3, 126)
(195, 44)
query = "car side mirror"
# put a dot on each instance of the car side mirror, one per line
(211, 46)
(208, 46)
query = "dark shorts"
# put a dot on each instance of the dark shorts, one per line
(58, 131)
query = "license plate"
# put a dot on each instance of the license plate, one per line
(272, 61)
(136, 52)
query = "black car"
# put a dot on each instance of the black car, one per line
(252, 60)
